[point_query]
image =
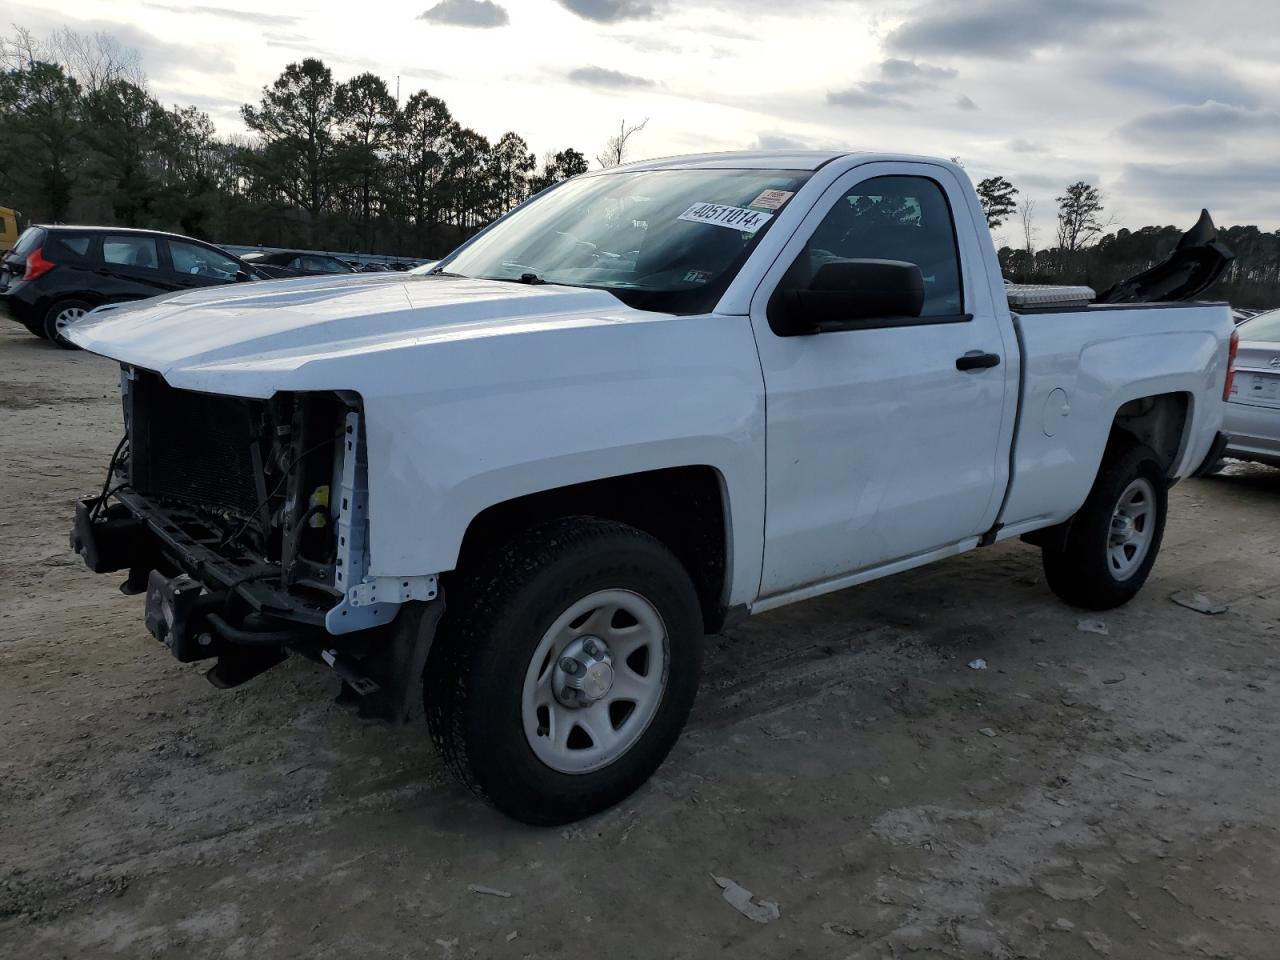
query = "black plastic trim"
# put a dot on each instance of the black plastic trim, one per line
(1216, 449)
(1119, 307)
(247, 578)
(887, 323)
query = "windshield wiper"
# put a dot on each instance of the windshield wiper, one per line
(526, 277)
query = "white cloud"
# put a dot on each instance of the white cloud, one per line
(608, 79)
(466, 13)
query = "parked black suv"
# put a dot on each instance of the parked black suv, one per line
(54, 275)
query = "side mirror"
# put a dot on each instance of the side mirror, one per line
(845, 294)
(241, 276)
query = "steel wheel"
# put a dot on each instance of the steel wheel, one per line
(59, 319)
(1132, 528)
(595, 681)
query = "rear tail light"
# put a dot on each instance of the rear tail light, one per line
(1231, 364)
(37, 265)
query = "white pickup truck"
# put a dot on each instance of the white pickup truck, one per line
(648, 401)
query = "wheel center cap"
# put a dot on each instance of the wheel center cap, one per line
(1122, 530)
(598, 680)
(583, 673)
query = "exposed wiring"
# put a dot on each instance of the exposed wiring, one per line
(274, 490)
(318, 509)
(107, 489)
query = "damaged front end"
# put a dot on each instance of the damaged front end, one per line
(245, 522)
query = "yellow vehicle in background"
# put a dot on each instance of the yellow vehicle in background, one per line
(8, 228)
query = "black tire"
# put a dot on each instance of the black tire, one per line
(51, 321)
(1082, 573)
(497, 617)
(35, 329)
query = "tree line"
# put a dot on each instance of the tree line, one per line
(330, 164)
(1087, 250)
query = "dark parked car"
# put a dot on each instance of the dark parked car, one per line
(296, 263)
(54, 275)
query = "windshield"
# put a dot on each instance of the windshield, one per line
(1264, 327)
(667, 240)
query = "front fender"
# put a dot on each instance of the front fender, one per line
(489, 422)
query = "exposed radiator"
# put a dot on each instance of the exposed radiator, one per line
(194, 447)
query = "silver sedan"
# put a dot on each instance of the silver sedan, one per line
(1253, 415)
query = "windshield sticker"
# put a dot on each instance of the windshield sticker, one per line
(772, 199)
(735, 218)
(697, 276)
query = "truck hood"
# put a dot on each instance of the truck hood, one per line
(252, 339)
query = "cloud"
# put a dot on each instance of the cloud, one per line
(162, 58)
(778, 141)
(614, 11)
(897, 77)
(1234, 191)
(609, 79)
(1192, 124)
(1179, 85)
(964, 103)
(1008, 29)
(1025, 146)
(467, 13)
(909, 71)
(244, 16)
(861, 97)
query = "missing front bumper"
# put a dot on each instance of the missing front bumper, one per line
(202, 605)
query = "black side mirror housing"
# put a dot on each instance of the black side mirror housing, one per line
(846, 294)
(242, 276)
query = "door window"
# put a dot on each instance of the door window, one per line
(190, 259)
(323, 265)
(891, 218)
(69, 245)
(138, 252)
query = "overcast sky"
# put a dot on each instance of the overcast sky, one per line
(1167, 105)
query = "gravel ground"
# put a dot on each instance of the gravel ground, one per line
(1089, 794)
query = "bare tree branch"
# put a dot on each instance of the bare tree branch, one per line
(615, 148)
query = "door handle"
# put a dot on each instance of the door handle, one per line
(977, 360)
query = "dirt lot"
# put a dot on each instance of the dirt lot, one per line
(1087, 795)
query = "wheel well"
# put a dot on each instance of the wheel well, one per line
(684, 507)
(1158, 421)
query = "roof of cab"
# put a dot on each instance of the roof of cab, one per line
(776, 160)
(743, 159)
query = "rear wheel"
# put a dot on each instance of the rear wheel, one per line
(60, 317)
(565, 672)
(1116, 535)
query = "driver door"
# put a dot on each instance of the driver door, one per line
(880, 450)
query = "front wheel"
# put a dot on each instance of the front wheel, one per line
(565, 673)
(1116, 535)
